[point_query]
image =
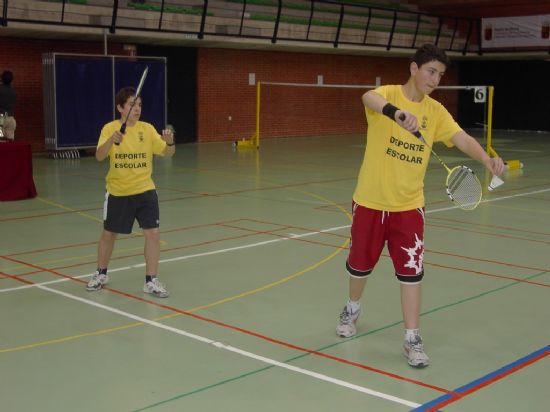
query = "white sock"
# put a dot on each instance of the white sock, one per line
(411, 333)
(353, 305)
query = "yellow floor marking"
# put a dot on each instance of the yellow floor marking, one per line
(195, 309)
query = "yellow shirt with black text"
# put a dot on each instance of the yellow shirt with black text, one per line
(395, 162)
(131, 162)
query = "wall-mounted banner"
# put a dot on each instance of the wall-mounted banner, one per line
(519, 31)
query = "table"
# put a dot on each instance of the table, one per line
(16, 180)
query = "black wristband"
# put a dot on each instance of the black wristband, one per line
(389, 110)
(170, 144)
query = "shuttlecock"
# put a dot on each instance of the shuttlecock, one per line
(495, 182)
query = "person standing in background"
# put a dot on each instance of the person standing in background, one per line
(8, 96)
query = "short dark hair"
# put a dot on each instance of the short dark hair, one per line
(429, 53)
(7, 77)
(123, 95)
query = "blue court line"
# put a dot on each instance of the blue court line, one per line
(483, 381)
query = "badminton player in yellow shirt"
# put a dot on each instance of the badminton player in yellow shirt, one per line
(131, 193)
(388, 203)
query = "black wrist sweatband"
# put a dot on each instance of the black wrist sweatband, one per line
(170, 144)
(389, 110)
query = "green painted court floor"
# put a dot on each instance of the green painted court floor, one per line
(253, 252)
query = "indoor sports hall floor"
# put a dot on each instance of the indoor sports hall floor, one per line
(253, 252)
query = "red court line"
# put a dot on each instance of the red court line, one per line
(282, 227)
(236, 328)
(487, 380)
(120, 257)
(498, 377)
(490, 274)
(65, 212)
(489, 226)
(221, 224)
(495, 262)
(490, 234)
(73, 245)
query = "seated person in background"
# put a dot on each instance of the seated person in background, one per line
(7, 105)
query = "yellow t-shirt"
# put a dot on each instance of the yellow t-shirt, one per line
(395, 162)
(131, 163)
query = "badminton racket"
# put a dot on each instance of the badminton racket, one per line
(136, 95)
(463, 186)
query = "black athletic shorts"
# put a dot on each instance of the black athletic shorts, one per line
(119, 212)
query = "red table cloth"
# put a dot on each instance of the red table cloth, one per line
(16, 181)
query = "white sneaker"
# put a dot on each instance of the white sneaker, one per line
(97, 281)
(414, 352)
(346, 325)
(154, 287)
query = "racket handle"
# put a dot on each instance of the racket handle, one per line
(417, 133)
(122, 130)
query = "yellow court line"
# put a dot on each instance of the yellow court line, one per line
(197, 308)
(69, 338)
(52, 203)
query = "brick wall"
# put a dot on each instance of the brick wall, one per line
(224, 93)
(223, 90)
(24, 58)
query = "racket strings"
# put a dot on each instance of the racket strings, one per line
(463, 187)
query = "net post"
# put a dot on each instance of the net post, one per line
(510, 164)
(490, 151)
(254, 141)
(257, 135)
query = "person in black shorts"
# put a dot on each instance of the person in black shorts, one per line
(131, 193)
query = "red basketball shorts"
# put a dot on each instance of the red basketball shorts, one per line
(402, 231)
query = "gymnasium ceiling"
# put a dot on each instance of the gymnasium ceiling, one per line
(460, 8)
(484, 8)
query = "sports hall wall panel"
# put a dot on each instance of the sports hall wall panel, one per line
(227, 103)
(24, 58)
(223, 91)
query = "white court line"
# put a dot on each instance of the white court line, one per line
(233, 349)
(214, 252)
(500, 149)
(496, 199)
(237, 350)
(251, 245)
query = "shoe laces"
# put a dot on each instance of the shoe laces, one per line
(345, 317)
(156, 285)
(95, 277)
(416, 344)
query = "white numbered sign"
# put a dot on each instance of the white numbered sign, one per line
(480, 94)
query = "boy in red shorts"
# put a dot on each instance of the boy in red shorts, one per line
(388, 203)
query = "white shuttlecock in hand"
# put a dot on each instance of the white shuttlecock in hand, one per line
(495, 182)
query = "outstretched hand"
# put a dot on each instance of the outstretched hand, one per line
(168, 136)
(495, 165)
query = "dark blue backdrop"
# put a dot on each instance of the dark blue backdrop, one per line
(84, 94)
